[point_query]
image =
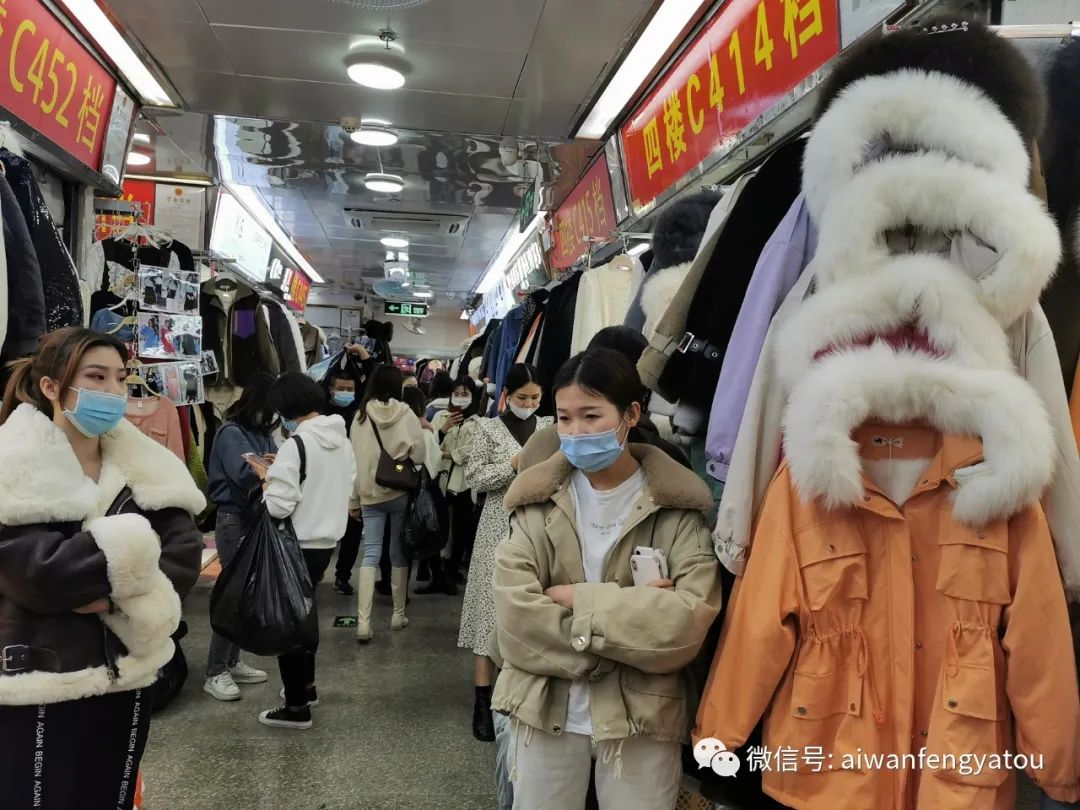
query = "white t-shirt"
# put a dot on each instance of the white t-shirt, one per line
(600, 520)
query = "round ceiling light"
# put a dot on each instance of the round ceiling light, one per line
(371, 135)
(138, 159)
(384, 183)
(381, 5)
(395, 242)
(375, 75)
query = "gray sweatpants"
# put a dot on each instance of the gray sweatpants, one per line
(552, 772)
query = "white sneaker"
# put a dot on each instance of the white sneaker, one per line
(222, 687)
(242, 673)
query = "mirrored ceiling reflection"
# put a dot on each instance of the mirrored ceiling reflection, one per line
(313, 176)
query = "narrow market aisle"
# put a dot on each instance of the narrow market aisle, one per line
(393, 729)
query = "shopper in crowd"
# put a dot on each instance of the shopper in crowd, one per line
(97, 547)
(454, 427)
(618, 682)
(246, 432)
(343, 402)
(491, 464)
(442, 384)
(410, 381)
(630, 343)
(384, 424)
(310, 482)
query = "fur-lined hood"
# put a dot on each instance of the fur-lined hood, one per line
(658, 292)
(41, 480)
(669, 484)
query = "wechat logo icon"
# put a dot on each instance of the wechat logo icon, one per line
(711, 753)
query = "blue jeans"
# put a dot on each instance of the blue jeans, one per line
(503, 738)
(375, 518)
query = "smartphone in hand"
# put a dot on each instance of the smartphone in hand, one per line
(648, 565)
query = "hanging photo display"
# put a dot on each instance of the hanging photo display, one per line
(167, 290)
(180, 383)
(209, 364)
(163, 336)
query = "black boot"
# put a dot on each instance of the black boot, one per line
(437, 583)
(483, 726)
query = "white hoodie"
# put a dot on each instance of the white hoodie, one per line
(320, 508)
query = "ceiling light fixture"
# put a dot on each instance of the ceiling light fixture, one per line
(138, 158)
(141, 137)
(93, 20)
(384, 183)
(395, 242)
(424, 294)
(663, 29)
(376, 76)
(511, 244)
(254, 204)
(170, 178)
(370, 135)
(403, 257)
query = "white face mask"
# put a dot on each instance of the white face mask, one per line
(461, 402)
(522, 413)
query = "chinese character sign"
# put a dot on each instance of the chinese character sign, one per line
(52, 82)
(588, 211)
(741, 64)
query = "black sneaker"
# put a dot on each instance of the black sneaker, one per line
(312, 696)
(343, 587)
(287, 718)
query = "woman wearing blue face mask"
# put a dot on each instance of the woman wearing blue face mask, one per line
(97, 547)
(344, 402)
(247, 431)
(593, 652)
(491, 463)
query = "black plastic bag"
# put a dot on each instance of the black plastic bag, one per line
(264, 600)
(427, 527)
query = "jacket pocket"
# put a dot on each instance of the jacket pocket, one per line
(826, 717)
(965, 728)
(975, 565)
(669, 686)
(832, 564)
(655, 705)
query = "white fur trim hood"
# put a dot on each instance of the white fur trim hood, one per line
(845, 390)
(909, 109)
(658, 292)
(41, 480)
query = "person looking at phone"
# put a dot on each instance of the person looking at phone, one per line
(442, 385)
(246, 434)
(593, 657)
(344, 402)
(309, 482)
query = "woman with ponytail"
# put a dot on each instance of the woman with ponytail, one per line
(97, 547)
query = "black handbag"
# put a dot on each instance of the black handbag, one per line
(392, 473)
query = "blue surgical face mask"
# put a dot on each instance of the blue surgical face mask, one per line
(96, 412)
(289, 424)
(343, 399)
(592, 452)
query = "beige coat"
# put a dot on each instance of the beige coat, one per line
(402, 437)
(457, 443)
(630, 643)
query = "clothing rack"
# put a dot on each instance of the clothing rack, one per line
(106, 205)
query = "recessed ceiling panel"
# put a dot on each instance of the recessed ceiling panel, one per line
(181, 44)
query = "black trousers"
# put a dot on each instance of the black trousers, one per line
(349, 549)
(76, 755)
(298, 669)
(463, 520)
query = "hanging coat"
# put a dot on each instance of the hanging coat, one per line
(25, 295)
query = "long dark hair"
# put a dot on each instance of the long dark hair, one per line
(604, 372)
(441, 385)
(251, 411)
(57, 357)
(415, 399)
(386, 383)
(519, 376)
(473, 387)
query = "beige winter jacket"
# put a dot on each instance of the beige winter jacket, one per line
(630, 643)
(457, 443)
(402, 437)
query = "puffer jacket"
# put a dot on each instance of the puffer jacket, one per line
(630, 643)
(66, 541)
(891, 629)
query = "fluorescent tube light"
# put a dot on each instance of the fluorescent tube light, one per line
(659, 35)
(511, 244)
(111, 42)
(253, 202)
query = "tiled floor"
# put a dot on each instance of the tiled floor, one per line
(392, 731)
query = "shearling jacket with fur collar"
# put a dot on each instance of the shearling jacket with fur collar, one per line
(631, 643)
(66, 541)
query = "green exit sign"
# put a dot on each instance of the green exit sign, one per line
(405, 309)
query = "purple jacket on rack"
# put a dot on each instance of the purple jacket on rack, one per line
(788, 251)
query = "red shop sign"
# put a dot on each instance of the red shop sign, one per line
(741, 64)
(588, 211)
(299, 287)
(53, 83)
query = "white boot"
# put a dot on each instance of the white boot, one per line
(365, 592)
(399, 587)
